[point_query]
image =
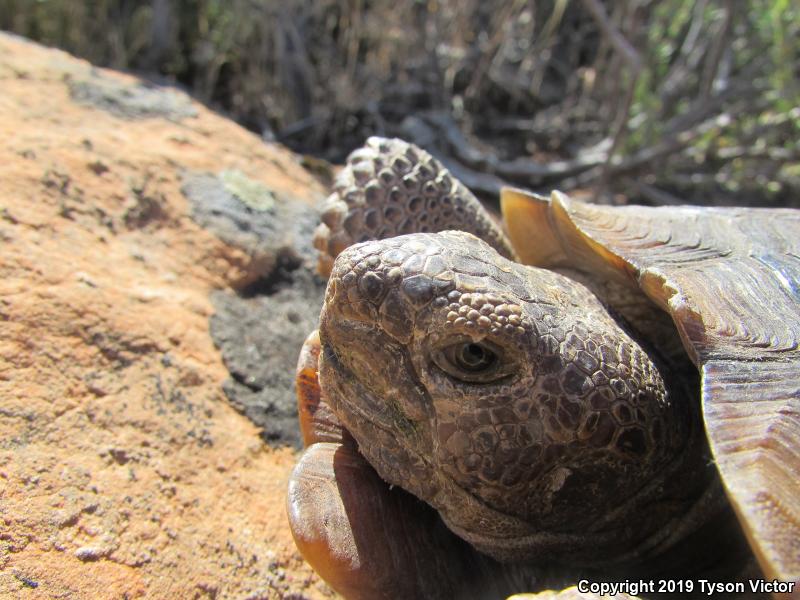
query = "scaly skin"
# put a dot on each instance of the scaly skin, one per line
(390, 188)
(573, 443)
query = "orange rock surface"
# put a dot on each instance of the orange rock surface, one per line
(124, 472)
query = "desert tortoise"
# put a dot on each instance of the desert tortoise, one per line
(550, 413)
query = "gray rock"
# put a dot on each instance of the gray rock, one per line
(260, 338)
(246, 214)
(260, 329)
(130, 100)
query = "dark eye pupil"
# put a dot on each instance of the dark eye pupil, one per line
(473, 362)
(475, 357)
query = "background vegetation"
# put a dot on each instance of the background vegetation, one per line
(654, 101)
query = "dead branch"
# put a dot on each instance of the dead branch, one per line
(721, 41)
(634, 62)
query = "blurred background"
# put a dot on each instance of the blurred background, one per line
(646, 101)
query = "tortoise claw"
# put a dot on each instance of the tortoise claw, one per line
(317, 421)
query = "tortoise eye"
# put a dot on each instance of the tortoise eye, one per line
(473, 362)
(473, 357)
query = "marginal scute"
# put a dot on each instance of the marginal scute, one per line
(533, 235)
(753, 414)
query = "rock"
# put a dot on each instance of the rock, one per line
(249, 329)
(276, 305)
(125, 470)
(268, 226)
(130, 100)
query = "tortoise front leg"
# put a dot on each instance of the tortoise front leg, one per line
(390, 187)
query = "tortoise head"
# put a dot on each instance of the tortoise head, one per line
(505, 396)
